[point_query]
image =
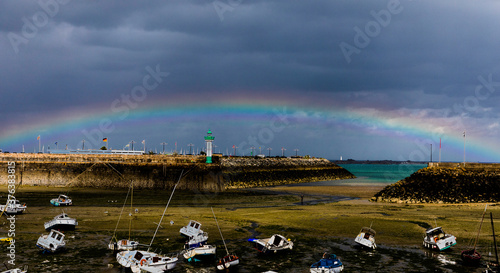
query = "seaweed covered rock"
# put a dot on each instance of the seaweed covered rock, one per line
(456, 184)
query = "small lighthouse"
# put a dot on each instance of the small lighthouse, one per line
(209, 139)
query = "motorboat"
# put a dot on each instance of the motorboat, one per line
(52, 242)
(436, 238)
(274, 244)
(327, 264)
(13, 206)
(192, 229)
(62, 200)
(197, 240)
(366, 238)
(61, 222)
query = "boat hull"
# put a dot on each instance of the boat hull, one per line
(327, 265)
(366, 243)
(471, 257)
(327, 270)
(137, 260)
(228, 262)
(274, 244)
(60, 204)
(441, 244)
(200, 254)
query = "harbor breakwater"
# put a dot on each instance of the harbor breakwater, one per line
(446, 183)
(163, 171)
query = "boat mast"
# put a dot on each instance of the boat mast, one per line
(130, 214)
(480, 225)
(220, 231)
(494, 239)
(165, 210)
(123, 207)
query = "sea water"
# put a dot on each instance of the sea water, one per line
(381, 173)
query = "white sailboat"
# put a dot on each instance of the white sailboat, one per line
(230, 260)
(124, 244)
(138, 260)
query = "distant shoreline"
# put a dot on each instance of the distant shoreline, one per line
(385, 162)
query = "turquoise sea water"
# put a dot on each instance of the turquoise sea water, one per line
(381, 173)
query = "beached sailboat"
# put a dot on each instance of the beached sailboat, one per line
(124, 244)
(274, 244)
(61, 200)
(138, 260)
(200, 254)
(51, 243)
(61, 222)
(366, 238)
(229, 261)
(13, 206)
(493, 267)
(471, 256)
(436, 238)
(327, 264)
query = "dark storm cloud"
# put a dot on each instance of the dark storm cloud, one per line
(92, 51)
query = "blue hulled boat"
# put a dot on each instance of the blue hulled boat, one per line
(328, 264)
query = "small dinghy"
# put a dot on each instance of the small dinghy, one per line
(52, 242)
(200, 254)
(13, 206)
(366, 238)
(138, 260)
(327, 264)
(61, 222)
(436, 238)
(274, 244)
(192, 229)
(62, 200)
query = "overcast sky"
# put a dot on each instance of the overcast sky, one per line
(358, 79)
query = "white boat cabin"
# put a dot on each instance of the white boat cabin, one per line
(192, 229)
(52, 242)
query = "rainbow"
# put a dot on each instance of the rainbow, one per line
(69, 124)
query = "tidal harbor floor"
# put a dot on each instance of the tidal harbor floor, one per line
(328, 221)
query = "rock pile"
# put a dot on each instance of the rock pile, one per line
(445, 185)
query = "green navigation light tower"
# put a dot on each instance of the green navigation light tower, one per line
(209, 139)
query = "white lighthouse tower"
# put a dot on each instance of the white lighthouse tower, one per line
(209, 139)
